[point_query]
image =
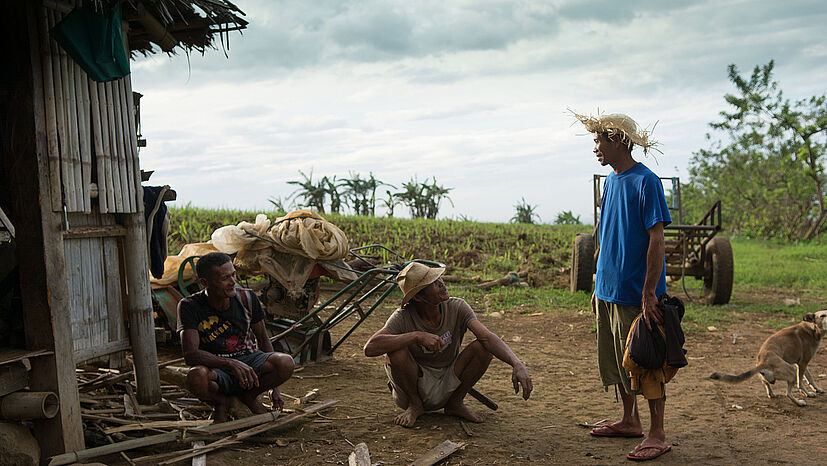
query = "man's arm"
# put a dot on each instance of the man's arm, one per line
(260, 332)
(654, 267)
(496, 346)
(383, 342)
(197, 357)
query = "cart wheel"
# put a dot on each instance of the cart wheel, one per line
(582, 263)
(719, 271)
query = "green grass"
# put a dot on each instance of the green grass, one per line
(766, 272)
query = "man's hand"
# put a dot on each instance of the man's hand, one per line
(519, 376)
(594, 304)
(278, 401)
(652, 314)
(429, 341)
(245, 374)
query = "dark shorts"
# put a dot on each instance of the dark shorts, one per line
(228, 383)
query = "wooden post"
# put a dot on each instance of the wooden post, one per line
(39, 240)
(139, 308)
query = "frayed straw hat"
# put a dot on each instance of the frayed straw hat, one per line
(414, 277)
(618, 124)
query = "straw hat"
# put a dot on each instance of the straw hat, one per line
(414, 277)
(618, 124)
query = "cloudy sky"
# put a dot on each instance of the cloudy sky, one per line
(474, 93)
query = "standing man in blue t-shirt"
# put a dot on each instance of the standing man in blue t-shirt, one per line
(630, 268)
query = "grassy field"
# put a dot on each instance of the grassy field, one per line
(777, 281)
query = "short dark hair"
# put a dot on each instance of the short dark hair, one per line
(205, 264)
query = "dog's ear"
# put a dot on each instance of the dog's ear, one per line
(809, 317)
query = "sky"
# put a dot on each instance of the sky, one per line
(474, 93)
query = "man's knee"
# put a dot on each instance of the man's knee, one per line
(282, 364)
(198, 379)
(480, 353)
(400, 358)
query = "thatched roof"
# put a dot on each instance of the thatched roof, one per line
(188, 24)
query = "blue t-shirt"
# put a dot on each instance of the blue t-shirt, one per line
(633, 202)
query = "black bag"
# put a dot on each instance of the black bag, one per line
(646, 347)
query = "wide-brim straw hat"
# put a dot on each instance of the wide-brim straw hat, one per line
(414, 277)
(618, 124)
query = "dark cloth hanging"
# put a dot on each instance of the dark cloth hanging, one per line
(649, 349)
(157, 227)
(93, 37)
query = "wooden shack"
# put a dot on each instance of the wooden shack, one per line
(73, 253)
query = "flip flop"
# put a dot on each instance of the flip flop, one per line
(615, 432)
(634, 455)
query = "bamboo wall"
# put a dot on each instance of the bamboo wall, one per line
(91, 132)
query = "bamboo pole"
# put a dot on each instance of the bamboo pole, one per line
(123, 127)
(29, 405)
(61, 89)
(259, 419)
(97, 142)
(133, 138)
(107, 148)
(84, 136)
(51, 119)
(113, 149)
(74, 140)
(119, 148)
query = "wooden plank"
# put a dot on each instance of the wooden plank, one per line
(120, 149)
(102, 350)
(360, 456)
(84, 135)
(74, 140)
(51, 117)
(10, 355)
(94, 231)
(438, 453)
(114, 303)
(113, 149)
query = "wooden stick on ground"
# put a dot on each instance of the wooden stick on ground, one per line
(438, 453)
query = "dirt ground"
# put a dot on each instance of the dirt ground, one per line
(706, 422)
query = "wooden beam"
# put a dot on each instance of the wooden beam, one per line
(94, 231)
(155, 30)
(39, 241)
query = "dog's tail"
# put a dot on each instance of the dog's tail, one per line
(767, 373)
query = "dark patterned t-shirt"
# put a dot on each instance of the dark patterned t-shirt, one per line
(223, 333)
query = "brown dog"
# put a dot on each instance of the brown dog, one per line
(785, 355)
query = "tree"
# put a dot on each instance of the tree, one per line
(767, 163)
(360, 193)
(422, 199)
(567, 218)
(313, 195)
(525, 212)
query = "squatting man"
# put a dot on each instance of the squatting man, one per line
(215, 326)
(421, 342)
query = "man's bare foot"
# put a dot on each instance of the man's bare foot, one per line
(460, 410)
(649, 448)
(618, 429)
(408, 418)
(252, 402)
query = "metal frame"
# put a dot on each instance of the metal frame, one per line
(351, 305)
(685, 252)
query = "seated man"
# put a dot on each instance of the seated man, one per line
(421, 341)
(215, 325)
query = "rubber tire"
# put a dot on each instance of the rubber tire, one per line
(719, 271)
(582, 263)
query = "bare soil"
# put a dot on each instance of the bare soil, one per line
(706, 421)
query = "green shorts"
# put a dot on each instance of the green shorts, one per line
(613, 324)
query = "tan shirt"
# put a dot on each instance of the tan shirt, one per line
(456, 314)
